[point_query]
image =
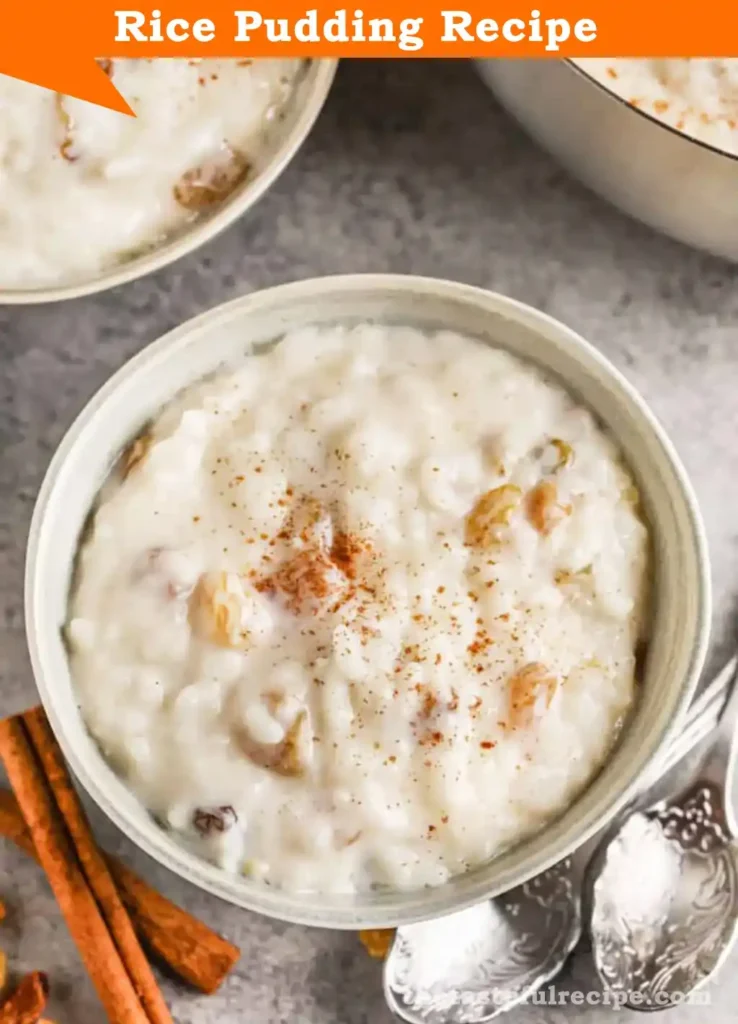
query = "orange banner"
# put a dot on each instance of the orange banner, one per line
(54, 43)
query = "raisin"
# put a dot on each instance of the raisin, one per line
(208, 820)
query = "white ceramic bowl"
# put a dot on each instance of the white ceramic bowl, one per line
(281, 143)
(681, 605)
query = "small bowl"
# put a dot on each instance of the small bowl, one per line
(282, 141)
(681, 591)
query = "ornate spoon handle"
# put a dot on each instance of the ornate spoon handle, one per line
(719, 764)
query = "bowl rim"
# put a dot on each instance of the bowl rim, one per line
(194, 869)
(571, 64)
(321, 73)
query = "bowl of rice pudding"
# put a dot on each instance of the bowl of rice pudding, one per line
(658, 137)
(94, 198)
(345, 607)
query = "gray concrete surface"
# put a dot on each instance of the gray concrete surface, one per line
(411, 168)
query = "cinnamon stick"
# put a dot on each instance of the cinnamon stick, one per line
(59, 860)
(94, 867)
(191, 950)
(26, 1003)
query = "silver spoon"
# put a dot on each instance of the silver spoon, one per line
(664, 889)
(471, 966)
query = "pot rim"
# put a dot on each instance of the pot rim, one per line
(572, 66)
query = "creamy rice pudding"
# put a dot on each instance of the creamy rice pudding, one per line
(82, 187)
(361, 610)
(697, 96)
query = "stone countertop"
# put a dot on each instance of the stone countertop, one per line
(411, 168)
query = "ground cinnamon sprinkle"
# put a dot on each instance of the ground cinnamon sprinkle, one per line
(345, 552)
(480, 644)
(303, 580)
(429, 704)
(313, 577)
(431, 739)
(526, 686)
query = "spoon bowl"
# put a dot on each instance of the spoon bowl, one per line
(664, 888)
(471, 966)
(669, 941)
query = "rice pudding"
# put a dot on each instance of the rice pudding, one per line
(361, 610)
(695, 95)
(83, 187)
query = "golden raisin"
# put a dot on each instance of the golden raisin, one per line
(631, 496)
(562, 577)
(203, 187)
(377, 941)
(288, 757)
(216, 609)
(67, 124)
(564, 452)
(135, 453)
(491, 512)
(543, 509)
